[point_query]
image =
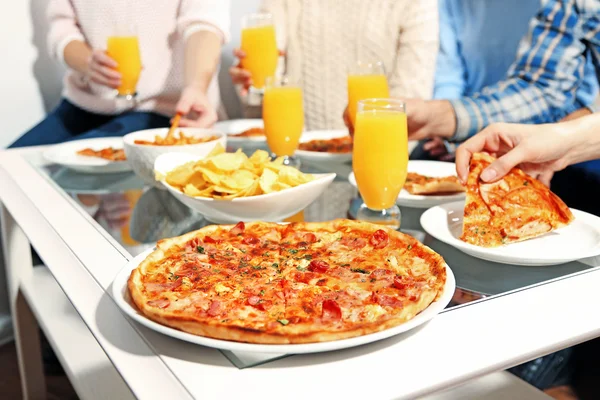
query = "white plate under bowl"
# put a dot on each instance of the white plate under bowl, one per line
(272, 207)
(580, 239)
(142, 157)
(123, 300)
(426, 168)
(322, 157)
(65, 154)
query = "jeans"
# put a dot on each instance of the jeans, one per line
(69, 122)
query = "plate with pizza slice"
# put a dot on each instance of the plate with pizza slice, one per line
(516, 220)
(99, 155)
(285, 288)
(243, 132)
(332, 146)
(428, 183)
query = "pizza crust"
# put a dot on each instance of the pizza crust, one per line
(291, 333)
(424, 185)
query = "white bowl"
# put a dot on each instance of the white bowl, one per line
(142, 157)
(272, 207)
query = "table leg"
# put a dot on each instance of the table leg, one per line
(18, 264)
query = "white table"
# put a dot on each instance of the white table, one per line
(108, 356)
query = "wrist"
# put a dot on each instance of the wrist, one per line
(442, 114)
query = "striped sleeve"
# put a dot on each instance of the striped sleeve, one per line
(541, 85)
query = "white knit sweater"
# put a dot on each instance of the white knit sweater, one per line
(323, 37)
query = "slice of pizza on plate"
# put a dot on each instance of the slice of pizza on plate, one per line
(426, 185)
(515, 208)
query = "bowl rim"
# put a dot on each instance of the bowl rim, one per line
(130, 137)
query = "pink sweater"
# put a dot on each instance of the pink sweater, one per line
(161, 26)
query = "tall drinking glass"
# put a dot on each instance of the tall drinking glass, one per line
(380, 159)
(124, 48)
(283, 116)
(258, 42)
(366, 80)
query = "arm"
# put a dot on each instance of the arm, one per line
(450, 71)
(414, 68)
(542, 83)
(202, 55)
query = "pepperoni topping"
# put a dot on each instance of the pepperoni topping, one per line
(400, 284)
(304, 277)
(160, 303)
(253, 300)
(215, 308)
(381, 273)
(238, 229)
(250, 240)
(354, 243)
(379, 239)
(318, 266)
(331, 311)
(208, 239)
(310, 238)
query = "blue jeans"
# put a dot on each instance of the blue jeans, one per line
(69, 122)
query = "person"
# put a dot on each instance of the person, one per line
(321, 39)
(537, 149)
(180, 43)
(478, 43)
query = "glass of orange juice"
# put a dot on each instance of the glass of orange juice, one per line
(366, 80)
(283, 116)
(123, 47)
(380, 158)
(258, 42)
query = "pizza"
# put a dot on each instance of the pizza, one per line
(296, 283)
(108, 153)
(515, 208)
(427, 185)
(336, 145)
(252, 132)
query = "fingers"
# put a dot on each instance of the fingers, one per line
(205, 120)
(100, 57)
(504, 164)
(348, 122)
(239, 53)
(184, 105)
(102, 70)
(242, 77)
(545, 177)
(465, 152)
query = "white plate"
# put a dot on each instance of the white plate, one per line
(121, 296)
(580, 239)
(65, 154)
(234, 127)
(427, 168)
(272, 207)
(316, 156)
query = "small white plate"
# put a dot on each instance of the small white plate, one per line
(426, 168)
(580, 239)
(272, 207)
(320, 157)
(123, 300)
(65, 154)
(234, 127)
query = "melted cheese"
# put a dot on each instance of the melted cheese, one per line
(373, 311)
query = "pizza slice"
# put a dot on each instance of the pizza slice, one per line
(427, 185)
(515, 208)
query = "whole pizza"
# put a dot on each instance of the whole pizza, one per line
(295, 283)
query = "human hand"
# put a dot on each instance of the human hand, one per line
(348, 122)
(241, 76)
(428, 119)
(115, 209)
(438, 148)
(540, 150)
(194, 105)
(101, 70)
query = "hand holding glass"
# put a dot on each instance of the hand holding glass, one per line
(124, 49)
(380, 159)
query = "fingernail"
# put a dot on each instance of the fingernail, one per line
(488, 174)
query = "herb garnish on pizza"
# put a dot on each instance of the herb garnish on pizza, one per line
(515, 208)
(297, 283)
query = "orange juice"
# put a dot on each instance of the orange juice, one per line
(362, 87)
(261, 53)
(380, 156)
(132, 196)
(126, 52)
(283, 115)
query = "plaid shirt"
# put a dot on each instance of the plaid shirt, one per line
(541, 85)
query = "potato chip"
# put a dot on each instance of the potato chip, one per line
(227, 176)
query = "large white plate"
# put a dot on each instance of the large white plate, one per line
(580, 239)
(234, 127)
(427, 168)
(65, 154)
(121, 296)
(316, 156)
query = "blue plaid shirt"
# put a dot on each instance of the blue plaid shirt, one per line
(541, 85)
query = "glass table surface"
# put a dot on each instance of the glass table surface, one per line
(137, 216)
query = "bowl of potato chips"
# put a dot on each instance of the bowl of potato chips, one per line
(232, 187)
(143, 147)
